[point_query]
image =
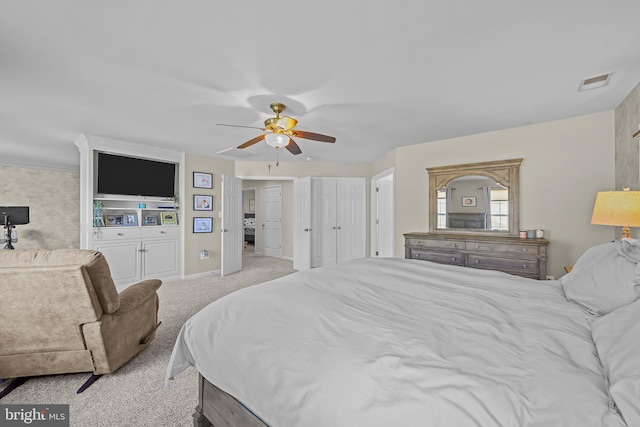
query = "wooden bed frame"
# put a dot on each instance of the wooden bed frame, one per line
(219, 409)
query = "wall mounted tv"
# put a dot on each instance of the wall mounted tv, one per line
(131, 176)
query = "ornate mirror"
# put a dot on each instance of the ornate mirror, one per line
(475, 198)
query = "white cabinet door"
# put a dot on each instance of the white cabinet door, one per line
(160, 258)
(124, 260)
(338, 220)
(350, 219)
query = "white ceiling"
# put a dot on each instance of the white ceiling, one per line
(375, 75)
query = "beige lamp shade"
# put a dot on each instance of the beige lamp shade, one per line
(620, 208)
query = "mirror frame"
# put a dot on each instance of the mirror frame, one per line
(504, 172)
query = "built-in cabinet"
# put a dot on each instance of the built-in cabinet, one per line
(140, 236)
(338, 220)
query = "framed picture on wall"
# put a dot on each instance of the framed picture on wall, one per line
(469, 201)
(252, 205)
(203, 225)
(202, 203)
(202, 180)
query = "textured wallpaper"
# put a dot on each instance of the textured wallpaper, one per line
(627, 117)
(53, 198)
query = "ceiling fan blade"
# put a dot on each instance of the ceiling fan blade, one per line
(240, 126)
(312, 135)
(250, 142)
(293, 147)
(286, 123)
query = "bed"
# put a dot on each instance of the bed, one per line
(398, 342)
(249, 227)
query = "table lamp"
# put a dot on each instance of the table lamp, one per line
(621, 208)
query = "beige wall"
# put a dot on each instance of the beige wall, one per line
(53, 197)
(194, 243)
(565, 164)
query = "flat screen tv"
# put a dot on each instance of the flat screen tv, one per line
(131, 176)
(16, 215)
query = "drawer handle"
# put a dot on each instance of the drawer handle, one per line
(454, 259)
(162, 232)
(477, 261)
(477, 246)
(455, 245)
(417, 255)
(524, 249)
(524, 266)
(120, 234)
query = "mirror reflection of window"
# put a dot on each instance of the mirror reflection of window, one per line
(442, 209)
(499, 209)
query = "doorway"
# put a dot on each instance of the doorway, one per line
(249, 219)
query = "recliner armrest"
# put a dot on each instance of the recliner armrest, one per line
(135, 294)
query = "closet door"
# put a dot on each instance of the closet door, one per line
(350, 219)
(323, 222)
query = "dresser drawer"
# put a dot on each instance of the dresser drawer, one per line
(515, 266)
(442, 257)
(116, 233)
(501, 248)
(164, 231)
(443, 244)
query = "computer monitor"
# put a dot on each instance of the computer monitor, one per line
(16, 215)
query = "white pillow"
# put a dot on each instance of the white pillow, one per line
(617, 338)
(604, 278)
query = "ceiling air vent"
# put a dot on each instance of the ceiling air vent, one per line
(594, 82)
(234, 152)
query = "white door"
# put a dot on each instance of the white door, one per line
(350, 219)
(302, 224)
(382, 215)
(323, 222)
(232, 225)
(272, 221)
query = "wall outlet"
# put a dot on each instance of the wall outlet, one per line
(204, 254)
(551, 278)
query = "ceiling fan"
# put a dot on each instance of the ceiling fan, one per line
(280, 130)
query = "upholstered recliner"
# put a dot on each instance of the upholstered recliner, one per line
(60, 313)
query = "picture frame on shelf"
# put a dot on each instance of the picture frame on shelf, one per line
(113, 220)
(202, 180)
(202, 202)
(469, 201)
(130, 220)
(203, 225)
(168, 218)
(150, 220)
(252, 205)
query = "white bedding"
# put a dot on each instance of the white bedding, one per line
(394, 342)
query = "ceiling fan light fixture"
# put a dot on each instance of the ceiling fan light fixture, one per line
(276, 140)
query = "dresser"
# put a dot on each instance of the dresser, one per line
(510, 254)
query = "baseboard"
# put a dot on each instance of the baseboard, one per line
(204, 274)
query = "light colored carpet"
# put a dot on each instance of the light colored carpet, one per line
(134, 394)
